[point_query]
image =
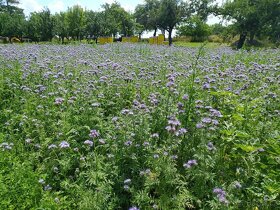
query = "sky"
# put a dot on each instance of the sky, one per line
(62, 5)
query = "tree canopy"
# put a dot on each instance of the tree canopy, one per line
(249, 18)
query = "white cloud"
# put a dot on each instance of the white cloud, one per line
(30, 6)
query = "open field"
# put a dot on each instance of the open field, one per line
(127, 126)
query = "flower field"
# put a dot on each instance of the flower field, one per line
(123, 126)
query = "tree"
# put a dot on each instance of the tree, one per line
(141, 18)
(32, 29)
(76, 21)
(92, 24)
(171, 13)
(60, 25)
(12, 19)
(10, 6)
(251, 16)
(194, 27)
(201, 8)
(46, 25)
(11, 25)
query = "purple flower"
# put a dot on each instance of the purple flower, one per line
(206, 120)
(210, 146)
(127, 181)
(41, 181)
(133, 208)
(155, 135)
(156, 156)
(58, 101)
(181, 131)
(128, 143)
(52, 146)
(93, 133)
(47, 187)
(199, 125)
(64, 144)
(261, 150)
(174, 122)
(206, 86)
(190, 163)
(88, 142)
(126, 187)
(237, 185)
(221, 195)
(180, 105)
(185, 97)
(6, 146)
(215, 113)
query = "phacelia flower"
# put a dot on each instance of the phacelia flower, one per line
(93, 134)
(88, 142)
(64, 144)
(190, 163)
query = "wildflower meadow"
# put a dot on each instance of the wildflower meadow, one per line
(134, 126)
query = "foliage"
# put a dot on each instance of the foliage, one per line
(194, 27)
(251, 17)
(152, 127)
(170, 14)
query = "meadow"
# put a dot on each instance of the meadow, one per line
(123, 126)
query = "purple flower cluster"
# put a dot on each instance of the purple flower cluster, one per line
(93, 133)
(221, 195)
(190, 163)
(6, 146)
(64, 144)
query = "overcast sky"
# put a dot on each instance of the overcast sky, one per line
(62, 5)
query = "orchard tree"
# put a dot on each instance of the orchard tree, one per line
(76, 21)
(194, 27)
(171, 13)
(11, 22)
(32, 29)
(92, 25)
(202, 8)
(141, 18)
(61, 26)
(46, 25)
(251, 17)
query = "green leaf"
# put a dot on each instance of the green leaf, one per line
(246, 148)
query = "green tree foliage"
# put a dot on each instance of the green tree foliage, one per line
(11, 25)
(194, 27)
(201, 8)
(171, 13)
(251, 17)
(116, 20)
(60, 25)
(76, 21)
(92, 25)
(147, 15)
(40, 25)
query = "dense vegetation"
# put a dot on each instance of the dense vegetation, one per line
(135, 126)
(250, 19)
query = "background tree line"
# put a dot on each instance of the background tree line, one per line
(249, 19)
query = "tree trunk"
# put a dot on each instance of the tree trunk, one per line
(241, 40)
(155, 32)
(252, 35)
(169, 37)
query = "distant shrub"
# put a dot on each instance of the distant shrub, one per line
(215, 38)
